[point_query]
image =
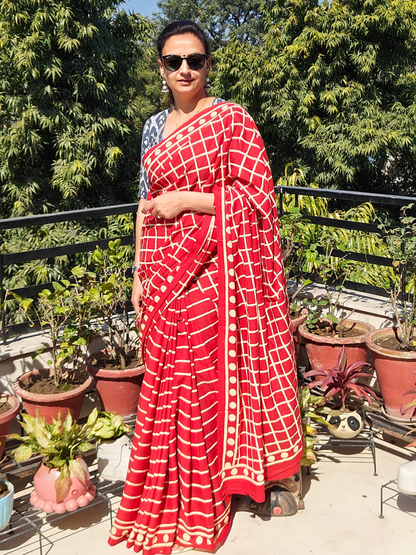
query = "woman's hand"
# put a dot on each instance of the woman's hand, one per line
(137, 293)
(167, 205)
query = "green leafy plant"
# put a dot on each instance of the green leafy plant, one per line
(106, 425)
(342, 379)
(112, 291)
(60, 443)
(401, 242)
(64, 314)
(63, 441)
(312, 410)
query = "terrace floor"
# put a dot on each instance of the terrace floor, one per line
(342, 499)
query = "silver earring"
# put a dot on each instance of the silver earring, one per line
(207, 85)
(164, 87)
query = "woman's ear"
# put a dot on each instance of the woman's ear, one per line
(161, 69)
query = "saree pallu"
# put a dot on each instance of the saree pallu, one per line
(218, 411)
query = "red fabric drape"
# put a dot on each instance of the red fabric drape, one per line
(218, 412)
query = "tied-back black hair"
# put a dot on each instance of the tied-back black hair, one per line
(181, 27)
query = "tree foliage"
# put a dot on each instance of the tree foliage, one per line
(218, 18)
(67, 132)
(332, 87)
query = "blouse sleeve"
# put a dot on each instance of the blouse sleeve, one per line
(144, 184)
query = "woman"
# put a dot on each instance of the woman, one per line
(218, 412)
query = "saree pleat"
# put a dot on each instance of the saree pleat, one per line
(218, 412)
(175, 444)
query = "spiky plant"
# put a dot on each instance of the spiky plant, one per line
(342, 379)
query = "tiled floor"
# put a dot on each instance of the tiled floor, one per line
(341, 516)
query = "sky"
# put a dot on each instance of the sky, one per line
(144, 7)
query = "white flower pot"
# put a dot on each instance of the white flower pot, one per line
(406, 478)
(6, 505)
(113, 458)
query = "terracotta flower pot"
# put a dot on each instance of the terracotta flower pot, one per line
(49, 406)
(323, 351)
(43, 497)
(395, 373)
(295, 323)
(6, 419)
(118, 390)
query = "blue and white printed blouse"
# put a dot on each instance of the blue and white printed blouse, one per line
(152, 135)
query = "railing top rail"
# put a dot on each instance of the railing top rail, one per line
(42, 219)
(375, 198)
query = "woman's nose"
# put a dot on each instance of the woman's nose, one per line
(185, 67)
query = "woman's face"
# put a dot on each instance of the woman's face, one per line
(185, 81)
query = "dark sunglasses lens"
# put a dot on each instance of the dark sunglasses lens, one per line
(173, 63)
(196, 62)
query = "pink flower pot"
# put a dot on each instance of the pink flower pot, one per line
(43, 497)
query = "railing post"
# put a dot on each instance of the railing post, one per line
(280, 203)
(2, 299)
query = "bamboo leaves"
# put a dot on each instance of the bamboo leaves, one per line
(67, 77)
(334, 89)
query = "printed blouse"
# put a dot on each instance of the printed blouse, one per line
(152, 135)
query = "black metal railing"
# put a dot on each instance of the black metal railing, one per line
(358, 197)
(53, 252)
(82, 215)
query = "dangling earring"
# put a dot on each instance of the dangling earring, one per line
(165, 88)
(207, 85)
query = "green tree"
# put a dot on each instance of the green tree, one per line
(333, 88)
(218, 18)
(67, 122)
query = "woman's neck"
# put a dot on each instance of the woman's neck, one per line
(185, 106)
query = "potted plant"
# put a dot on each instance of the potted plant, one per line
(62, 482)
(117, 369)
(394, 349)
(64, 314)
(307, 250)
(324, 331)
(6, 502)
(113, 451)
(340, 381)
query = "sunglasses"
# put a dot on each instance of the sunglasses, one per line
(172, 62)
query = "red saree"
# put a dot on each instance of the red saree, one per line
(218, 412)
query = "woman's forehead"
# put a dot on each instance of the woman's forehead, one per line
(183, 45)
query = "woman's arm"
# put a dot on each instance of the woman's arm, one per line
(137, 286)
(169, 205)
